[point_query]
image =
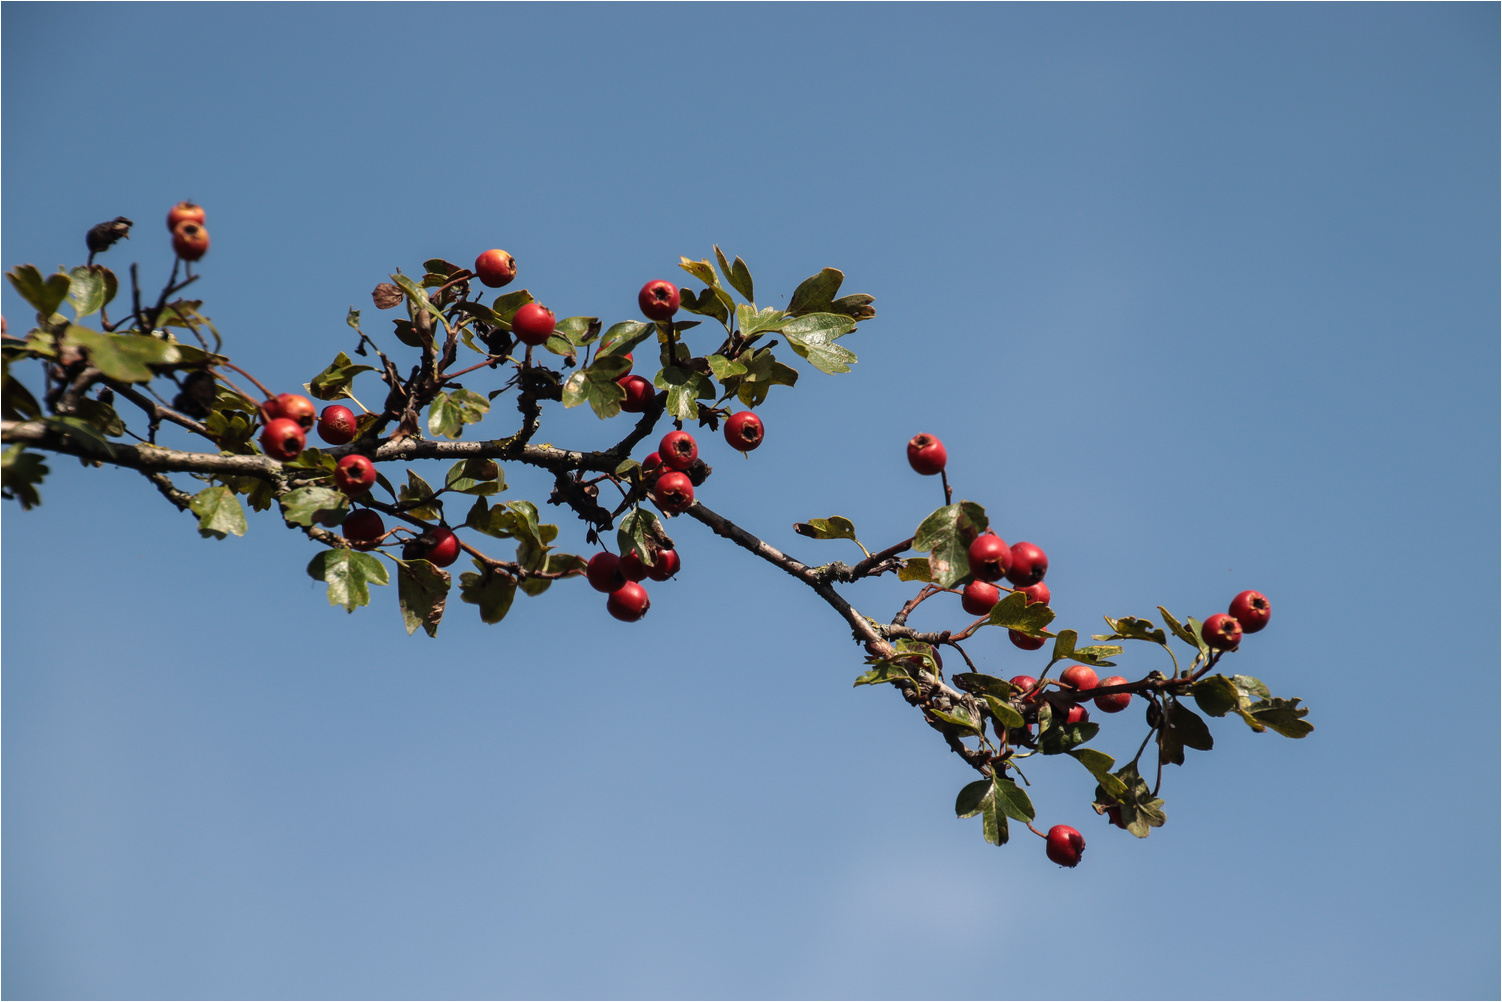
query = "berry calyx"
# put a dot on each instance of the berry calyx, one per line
(495, 268)
(990, 557)
(1036, 593)
(978, 598)
(1078, 677)
(678, 450)
(1026, 642)
(190, 241)
(639, 393)
(666, 566)
(283, 439)
(363, 528)
(1065, 845)
(1029, 564)
(1221, 631)
(1251, 610)
(744, 431)
(184, 212)
(658, 300)
(926, 455)
(628, 603)
(673, 492)
(438, 546)
(354, 475)
(337, 425)
(632, 567)
(533, 324)
(604, 572)
(1113, 702)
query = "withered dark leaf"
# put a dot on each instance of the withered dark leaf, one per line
(386, 296)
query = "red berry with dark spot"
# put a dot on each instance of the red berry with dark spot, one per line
(926, 455)
(1036, 593)
(629, 602)
(744, 431)
(1078, 677)
(184, 212)
(990, 557)
(678, 450)
(604, 572)
(1022, 683)
(1065, 845)
(639, 394)
(190, 241)
(363, 527)
(632, 567)
(337, 425)
(1026, 642)
(1029, 564)
(283, 439)
(666, 566)
(354, 475)
(495, 268)
(1251, 610)
(296, 407)
(673, 492)
(978, 598)
(1114, 702)
(658, 300)
(533, 324)
(1221, 631)
(438, 546)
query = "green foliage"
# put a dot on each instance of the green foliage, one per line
(422, 591)
(20, 473)
(946, 535)
(219, 513)
(451, 411)
(597, 384)
(1015, 613)
(334, 382)
(310, 505)
(44, 294)
(1063, 648)
(491, 590)
(349, 576)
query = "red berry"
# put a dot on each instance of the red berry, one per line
(363, 527)
(1065, 845)
(743, 431)
(673, 492)
(1221, 631)
(651, 466)
(926, 455)
(533, 324)
(604, 572)
(190, 241)
(658, 300)
(678, 450)
(1078, 715)
(1022, 683)
(978, 598)
(283, 439)
(336, 425)
(666, 566)
(184, 212)
(495, 268)
(1114, 702)
(1036, 593)
(632, 567)
(629, 602)
(1078, 677)
(297, 408)
(639, 393)
(354, 475)
(438, 546)
(1114, 814)
(1029, 564)
(1251, 610)
(1026, 642)
(990, 557)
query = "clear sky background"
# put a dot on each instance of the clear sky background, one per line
(1201, 298)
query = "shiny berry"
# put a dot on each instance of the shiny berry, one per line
(743, 431)
(926, 455)
(533, 324)
(363, 527)
(658, 300)
(632, 567)
(990, 557)
(1065, 845)
(666, 565)
(1022, 683)
(283, 439)
(495, 268)
(1029, 564)
(1114, 702)
(190, 241)
(1251, 610)
(1026, 642)
(1078, 715)
(673, 492)
(1221, 631)
(438, 546)
(1078, 677)
(678, 450)
(978, 598)
(337, 425)
(604, 572)
(1036, 593)
(354, 475)
(629, 602)
(639, 394)
(297, 408)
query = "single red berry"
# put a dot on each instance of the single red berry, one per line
(744, 431)
(926, 455)
(438, 546)
(495, 268)
(1036, 593)
(354, 475)
(283, 439)
(1065, 845)
(1114, 702)
(658, 300)
(632, 567)
(363, 528)
(1221, 631)
(639, 394)
(1022, 683)
(678, 450)
(1026, 642)
(651, 466)
(1029, 564)
(297, 408)
(629, 602)
(184, 212)
(1078, 677)
(978, 597)
(337, 425)
(673, 492)
(533, 324)
(1114, 814)
(604, 572)
(1078, 715)
(1251, 610)
(666, 566)
(990, 557)
(190, 241)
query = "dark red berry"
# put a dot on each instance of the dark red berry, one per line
(1065, 845)
(978, 598)
(1078, 677)
(1078, 715)
(990, 557)
(678, 450)
(354, 475)
(926, 455)
(1251, 610)
(1026, 642)
(673, 492)
(1029, 564)
(629, 602)
(1114, 702)
(1036, 593)
(438, 546)
(632, 567)
(337, 425)
(533, 324)
(363, 527)
(283, 439)
(604, 572)
(495, 268)
(744, 431)
(666, 566)
(658, 300)
(1022, 683)
(1221, 631)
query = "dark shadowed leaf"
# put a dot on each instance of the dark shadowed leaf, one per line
(968, 803)
(492, 592)
(1188, 727)
(44, 294)
(816, 292)
(1283, 715)
(1216, 695)
(333, 383)
(20, 473)
(423, 592)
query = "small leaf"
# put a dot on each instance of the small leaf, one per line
(1188, 727)
(1131, 628)
(1099, 764)
(624, 336)
(834, 527)
(1216, 695)
(1013, 800)
(946, 535)
(333, 383)
(302, 506)
(451, 411)
(1192, 638)
(975, 682)
(1251, 685)
(915, 569)
(886, 671)
(219, 513)
(738, 275)
(818, 344)
(423, 592)
(20, 473)
(723, 368)
(44, 294)
(86, 290)
(125, 357)
(816, 292)
(492, 592)
(971, 798)
(1283, 715)
(994, 821)
(959, 718)
(349, 575)
(1060, 737)
(1015, 613)
(415, 491)
(1005, 714)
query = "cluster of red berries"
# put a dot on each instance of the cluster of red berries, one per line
(620, 578)
(1249, 613)
(190, 239)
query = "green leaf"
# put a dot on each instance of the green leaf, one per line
(972, 797)
(1216, 695)
(1099, 764)
(813, 337)
(333, 383)
(44, 294)
(1013, 800)
(685, 388)
(763, 371)
(86, 290)
(737, 274)
(302, 506)
(815, 293)
(349, 575)
(753, 322)
(641, 533)
(490, 591)
(20, 473)
(1004, 713)
(1064, 648)
(833, 527)
(100, 415)
(1140, 810)
(723, 368)
(1188, 728)
(578, 331)
(857, 307)
(946, 535)
(417, 490)
(994, 821)
(418, 297)
(79, 430)
(476, 477)
(16, 400)
(451, 411)
(704, 272)
(1251, 685)
(975, 682)
(959, 718)
(886, 671)
(705, 304)
(1283, 715)
(423, 592)
(915, 569)
(124, 356)
(1190, 637)
(624, 336)
(1131, 628)
(1015, 613)
(1060, 737)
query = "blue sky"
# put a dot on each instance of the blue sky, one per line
(1200, 298)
